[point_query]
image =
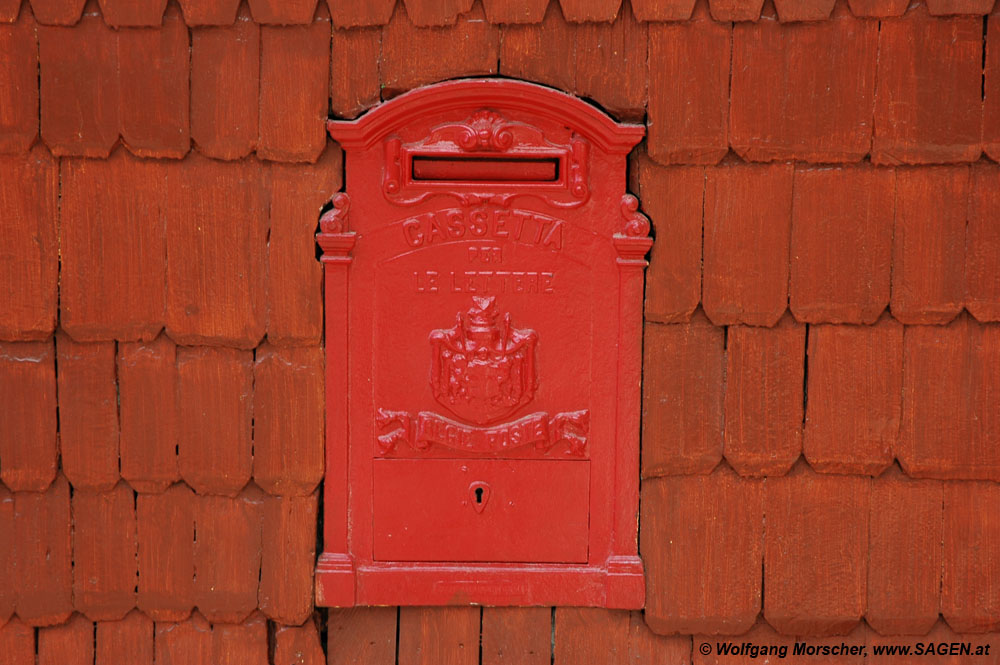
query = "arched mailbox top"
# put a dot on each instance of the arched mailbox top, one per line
(500, 94)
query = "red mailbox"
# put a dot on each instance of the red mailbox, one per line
(484, 279)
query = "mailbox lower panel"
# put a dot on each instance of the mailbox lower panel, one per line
(481, 510)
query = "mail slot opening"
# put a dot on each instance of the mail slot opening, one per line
(475, 169)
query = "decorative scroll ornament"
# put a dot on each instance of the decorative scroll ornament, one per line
(335, 219)
(635, 224)
(486, 130)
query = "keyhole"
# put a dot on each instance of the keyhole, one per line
(479, 495)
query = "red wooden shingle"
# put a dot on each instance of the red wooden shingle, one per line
(970, 582)
(663, 10)
(227, 554)
(88, 413)
(590, 635)
(354, 79)
(855, 380)
(682, 397)
(982, 244)
(29, 258)
(165, 527)
(113, 248)
(702, 544)
(186, 643)
(951, 426)
(647, 648)
(904, 578)
(18, 83)
(362, 635)
(761, 634)
(928, 105)
(216, 252)
(294, 83)
(786, 103)
(948, 7)
(689, 90)
(289, 420)
(28, 444)
(412, 56)
(841, 245)
(240, 643)
(746, 240)
(154, 73)
(991, 87)
(80, 108)
(517, 635)
(928, 253)
(283, 12)
(878, 8)
(57, 12)
(214, 410)
(147, 396)
(225, 86)
(673, 198)
(804, 10)
(735, 10)
(8, 574)
(515, 11)
(585, 11)
(72, 643)
(763, 425)
(544, 53)
(430, 13)
(133, 13)
(288, 553)
(9, 10)
(298, 193)
(17, 643)
(360, 14)
(300, 645)
(104, 553)
(815, 552)
(611, 66)
(42, 555)
(127, 641)
(438, 635)
(209, 12)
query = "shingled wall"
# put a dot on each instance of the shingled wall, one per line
(821, 433)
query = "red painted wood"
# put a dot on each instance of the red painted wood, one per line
(788, 104)
(982, 244)
(969, 582)
(815, 552)
(58, 12)
(516, 635)
(928, 253)
(28, 439)
(294, 85)
(673, 198)
(904, 578)
(544, 52)
(594, 242)
(133, 13)
(853, 411)
(127, 641)
(991, 88)
(949, 7)
(590, 635)
(354, 76)
(360, 14)
(154, 74)
(689, 90)
(433, 13)
(683, 381)
(361, 635)
(71, 643)
(186, 643)
(9, 10)
(165, 529)
(515, 11)
(113, 247)
(227, 555)
(241, 643)
(287, 556)
(841, 244)
(298, 645)
(929, 106)
(647, 648)
(225, 87)
(439, 635)
(216, 228)
(804, 10)
(878, 8)
(42, 555)
(18, 83)
(17, 642)
(283, 12)
(104, 553)
(735, 10)
(88, 410)
(209, 12)
(611, 66)
(214, 409)
(147, 411)
(8, 574)
(295, 301)
(586, 11)
(663, 10)
(29, 187)
(702, 541)
(78, 66)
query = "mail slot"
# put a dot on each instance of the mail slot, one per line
(483, 284)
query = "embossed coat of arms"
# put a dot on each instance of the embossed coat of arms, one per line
(483, 368)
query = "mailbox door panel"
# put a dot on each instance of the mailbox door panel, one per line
(481, 510)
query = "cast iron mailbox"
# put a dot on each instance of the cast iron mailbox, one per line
(484, 280)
